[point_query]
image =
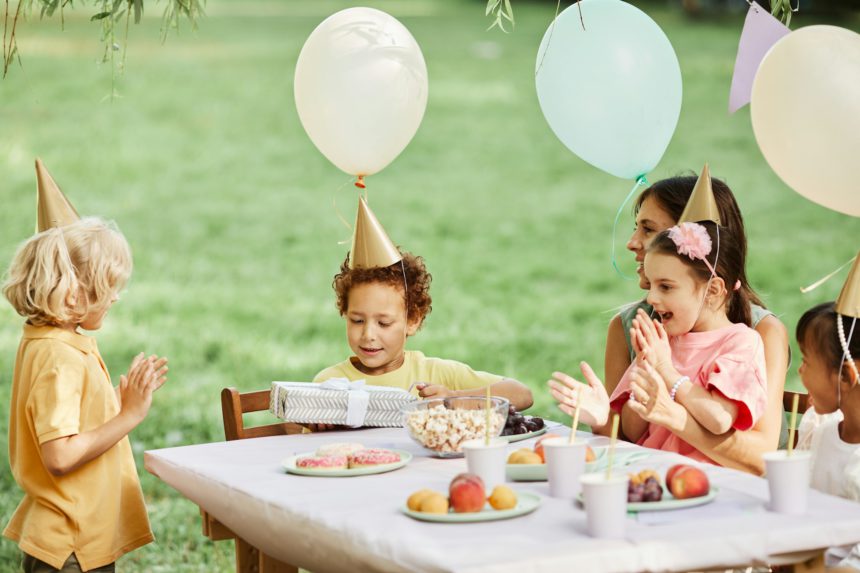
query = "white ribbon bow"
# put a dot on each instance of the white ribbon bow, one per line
(357, 400)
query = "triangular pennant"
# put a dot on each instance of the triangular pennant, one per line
(761, 31)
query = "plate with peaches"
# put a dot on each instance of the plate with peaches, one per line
(527, 464)
(467, 501)
(346, 460)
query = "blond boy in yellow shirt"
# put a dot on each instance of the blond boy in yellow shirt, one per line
(68, 447)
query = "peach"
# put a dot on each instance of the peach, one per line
(503, 497)
(414, 501)
(434, 503)
(689, 482)
(524, 456)
(467, 493)
(673, 470)
(590, 456)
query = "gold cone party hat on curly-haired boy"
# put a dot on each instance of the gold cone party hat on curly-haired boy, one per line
(54, 210)
(701, 206)
(371, 247)
(848, 303)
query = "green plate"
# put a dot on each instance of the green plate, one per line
(668, 502)
(537, 472)
(290, 465)
(519, 437)
(526, 503)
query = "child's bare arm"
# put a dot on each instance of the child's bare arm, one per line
(713, 411)
(517, 393)
(68, 453)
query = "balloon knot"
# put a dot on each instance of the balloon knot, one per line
(360, 182)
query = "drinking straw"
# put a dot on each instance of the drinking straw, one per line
(487, 429)
(572, 437)
(613, 438)
(794, 404)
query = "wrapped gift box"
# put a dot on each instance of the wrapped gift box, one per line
(338, 401)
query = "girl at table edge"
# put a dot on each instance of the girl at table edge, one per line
(658, 208)
(829, 372)
(383, 294)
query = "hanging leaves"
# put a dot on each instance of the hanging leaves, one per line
(110, 13)
(500, 10)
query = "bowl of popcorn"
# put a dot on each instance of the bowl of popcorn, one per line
(442, 425)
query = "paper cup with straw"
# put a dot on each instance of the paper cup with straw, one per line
(605, 497)
(787, 473)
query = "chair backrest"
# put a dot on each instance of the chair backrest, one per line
(234, 404)
(802, 403)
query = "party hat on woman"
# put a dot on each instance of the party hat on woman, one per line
(53, 208)
(701, 206)
(371, 247)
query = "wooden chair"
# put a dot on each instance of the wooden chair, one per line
(233, 406)
(802, 406)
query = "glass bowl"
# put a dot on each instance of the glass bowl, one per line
(441, 425)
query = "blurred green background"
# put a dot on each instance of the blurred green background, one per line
(232, 213)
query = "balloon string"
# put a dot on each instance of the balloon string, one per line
(640, 181)
(337, 211)
(823, 280)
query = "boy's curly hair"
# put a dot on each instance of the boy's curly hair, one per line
(417, 296)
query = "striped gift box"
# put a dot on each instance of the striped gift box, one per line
(307, 403)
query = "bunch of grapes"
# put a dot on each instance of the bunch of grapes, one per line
(519, 424)
(649, 490)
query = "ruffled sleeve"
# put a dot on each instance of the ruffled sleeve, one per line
(741, 379)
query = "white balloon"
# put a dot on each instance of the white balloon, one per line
(805, 112)
(361, 89)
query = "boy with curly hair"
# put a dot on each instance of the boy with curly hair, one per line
(383, 305)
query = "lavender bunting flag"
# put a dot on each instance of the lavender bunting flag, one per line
(761, 31)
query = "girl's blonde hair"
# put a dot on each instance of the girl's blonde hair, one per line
(59, 275)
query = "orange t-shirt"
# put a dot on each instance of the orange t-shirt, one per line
(60, 388)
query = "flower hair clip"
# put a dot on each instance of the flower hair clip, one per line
(692, 240)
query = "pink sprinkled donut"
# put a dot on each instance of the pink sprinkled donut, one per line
(322, 463)
(372, 457)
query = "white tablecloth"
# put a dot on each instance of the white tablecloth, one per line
(354, 524)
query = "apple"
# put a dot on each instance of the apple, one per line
(467, 493)
(688, 482)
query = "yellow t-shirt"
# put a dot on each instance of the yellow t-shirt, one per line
(415, 368)
(60, 388)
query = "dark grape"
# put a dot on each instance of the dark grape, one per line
(538, 422)
(521, 429)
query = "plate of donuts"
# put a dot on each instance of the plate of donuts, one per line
(346, 460)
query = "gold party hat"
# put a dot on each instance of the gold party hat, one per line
(371, 247)
(848, 303)
(701, 206)
(53, 209)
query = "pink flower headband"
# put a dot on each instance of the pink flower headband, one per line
(692, 239)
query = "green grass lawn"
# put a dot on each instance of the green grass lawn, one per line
(229, 210)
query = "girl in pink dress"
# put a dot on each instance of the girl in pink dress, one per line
(699, 352)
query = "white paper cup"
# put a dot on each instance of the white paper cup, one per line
(487, 462)
(788, 480)
(565, 462)
(605, 504)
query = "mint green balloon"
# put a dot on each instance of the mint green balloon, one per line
(610, 92)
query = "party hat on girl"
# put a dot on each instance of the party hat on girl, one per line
(371, 247)
(53, 208)
(701, 206)
(848, 303)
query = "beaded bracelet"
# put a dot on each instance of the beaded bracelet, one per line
(677, 385)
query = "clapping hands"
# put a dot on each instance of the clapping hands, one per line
(593, 399)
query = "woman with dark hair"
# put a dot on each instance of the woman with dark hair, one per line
(658, 208)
